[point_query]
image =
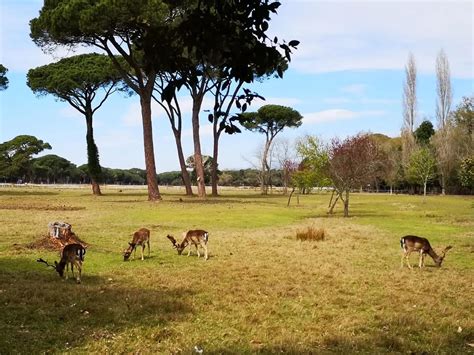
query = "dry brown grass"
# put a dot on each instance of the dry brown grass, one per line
(311, 234)
(259, 292)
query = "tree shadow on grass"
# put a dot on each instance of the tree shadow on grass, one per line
(42, 313)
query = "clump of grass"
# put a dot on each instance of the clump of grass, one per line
(311, 234)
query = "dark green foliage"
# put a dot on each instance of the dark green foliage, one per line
(74, 79)
(77, 80)
(424, 132)
(172, 178)
(3, 78)
(464, 115)
(271, 119)
(16, 154)
(54, 169)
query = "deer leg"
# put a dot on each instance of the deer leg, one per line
(189, 250)
(205, 251)
(79, 268)
(407, 257)
(422, 260)
(143, 248)
(148, 243)
(197, 250)
(67, 271)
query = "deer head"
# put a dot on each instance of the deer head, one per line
(440, 259)
(127, 252)
(179, 247)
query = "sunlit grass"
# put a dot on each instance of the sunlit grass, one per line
(261, 290)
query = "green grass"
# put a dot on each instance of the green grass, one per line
(261, 291)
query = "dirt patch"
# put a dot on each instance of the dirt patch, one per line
(50, 243)
(42, 208)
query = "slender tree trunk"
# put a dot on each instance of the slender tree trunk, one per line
(264, 182)
(214, 164)
(182, 163)
(424, 190)
(93, 164)
(153, 191)
(201, 184)
(331, 209)
(346, 204)
(289, 197)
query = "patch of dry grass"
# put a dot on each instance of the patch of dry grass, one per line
(311, 234)
(259, 292)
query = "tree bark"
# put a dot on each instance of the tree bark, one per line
(214, 164)
(346, 204)
(92, 155)
(153, 191)
(264, 182)
(201, 184)
(289, 197)
(182, 163)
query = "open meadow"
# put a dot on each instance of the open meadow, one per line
(261, 291)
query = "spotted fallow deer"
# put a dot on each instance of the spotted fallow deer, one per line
(197, 237)
(140, 237)
(72, 254)
(411, 243)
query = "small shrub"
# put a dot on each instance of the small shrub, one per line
(311, 234)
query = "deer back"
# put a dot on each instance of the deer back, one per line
(141, 236)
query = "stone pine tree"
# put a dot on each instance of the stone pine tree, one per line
(16, 157)
(270, 120)
(115, 27)
(225, 40)
(85, 82)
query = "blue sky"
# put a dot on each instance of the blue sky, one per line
(346, 77)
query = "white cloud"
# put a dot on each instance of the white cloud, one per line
(354, 89)
(334, 115)
(368, 35)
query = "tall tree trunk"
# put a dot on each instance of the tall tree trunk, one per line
(214, 164)
(201, 184)
(93, 165)
(153, 191)
(182, 163)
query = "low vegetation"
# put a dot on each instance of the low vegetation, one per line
(261, 291)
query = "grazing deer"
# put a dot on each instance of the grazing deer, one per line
(410, 243)
(197, 237)
(71, 254)
(140, 237)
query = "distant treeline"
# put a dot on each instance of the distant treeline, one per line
(53, 169)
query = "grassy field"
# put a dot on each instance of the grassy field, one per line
(261, 291)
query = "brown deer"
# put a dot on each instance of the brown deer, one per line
(140, 237)
(71, 254)
(410, 243)
(197, 237)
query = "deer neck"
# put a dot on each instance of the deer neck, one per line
(437, 259)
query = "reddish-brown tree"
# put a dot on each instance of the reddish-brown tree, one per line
(351, 165)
